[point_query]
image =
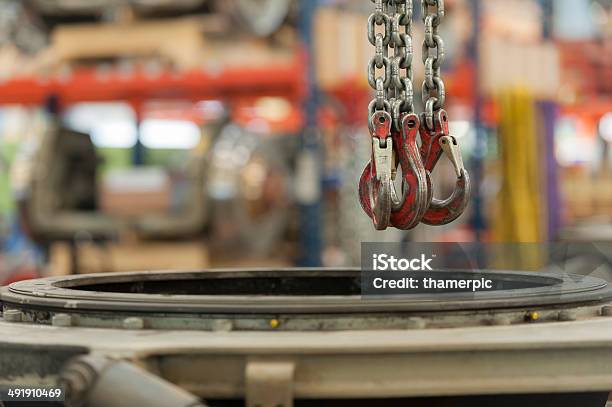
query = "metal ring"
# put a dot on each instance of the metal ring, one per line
(372, 72)
(440, 93)
(429, 113)
(439, 57)
(372, 107)
(406, 61)
(372, 29)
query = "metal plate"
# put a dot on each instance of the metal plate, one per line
(521, 359)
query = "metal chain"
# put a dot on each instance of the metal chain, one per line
(434, 93)
(402, 100)
(390, 32)
(379, 35)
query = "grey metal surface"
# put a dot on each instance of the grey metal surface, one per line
(270, 348)
(525, 358)
(295, 299)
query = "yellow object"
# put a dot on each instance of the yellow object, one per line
(521, 199)
(533, 316)
(274, 323)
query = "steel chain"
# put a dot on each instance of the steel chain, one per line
(379, 35)
(390, 28)
(434, 93)
(390, 32)
(401, 41)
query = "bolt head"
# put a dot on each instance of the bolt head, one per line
(133, 323)
(222, 325)
(13, 315)
(416, 323)
(61, 320)
(567, 315)
(500, 320)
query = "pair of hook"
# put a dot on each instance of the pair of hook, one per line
(393, 148)
(378, 196)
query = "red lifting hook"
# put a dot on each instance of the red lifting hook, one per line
(408, 211)
(434, 143)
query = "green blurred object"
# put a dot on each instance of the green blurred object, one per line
(7, 152)
(115, 158)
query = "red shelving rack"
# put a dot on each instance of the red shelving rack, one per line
(138, 85)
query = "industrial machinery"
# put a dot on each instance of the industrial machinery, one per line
(260, 17)
(307, 337)
(62, 202)
(239, 187)
(248, 189)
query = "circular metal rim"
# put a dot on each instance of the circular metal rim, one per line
(56, 293)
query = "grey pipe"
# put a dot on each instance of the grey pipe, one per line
(97, 381)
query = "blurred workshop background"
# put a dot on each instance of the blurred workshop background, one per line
(182, 134)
